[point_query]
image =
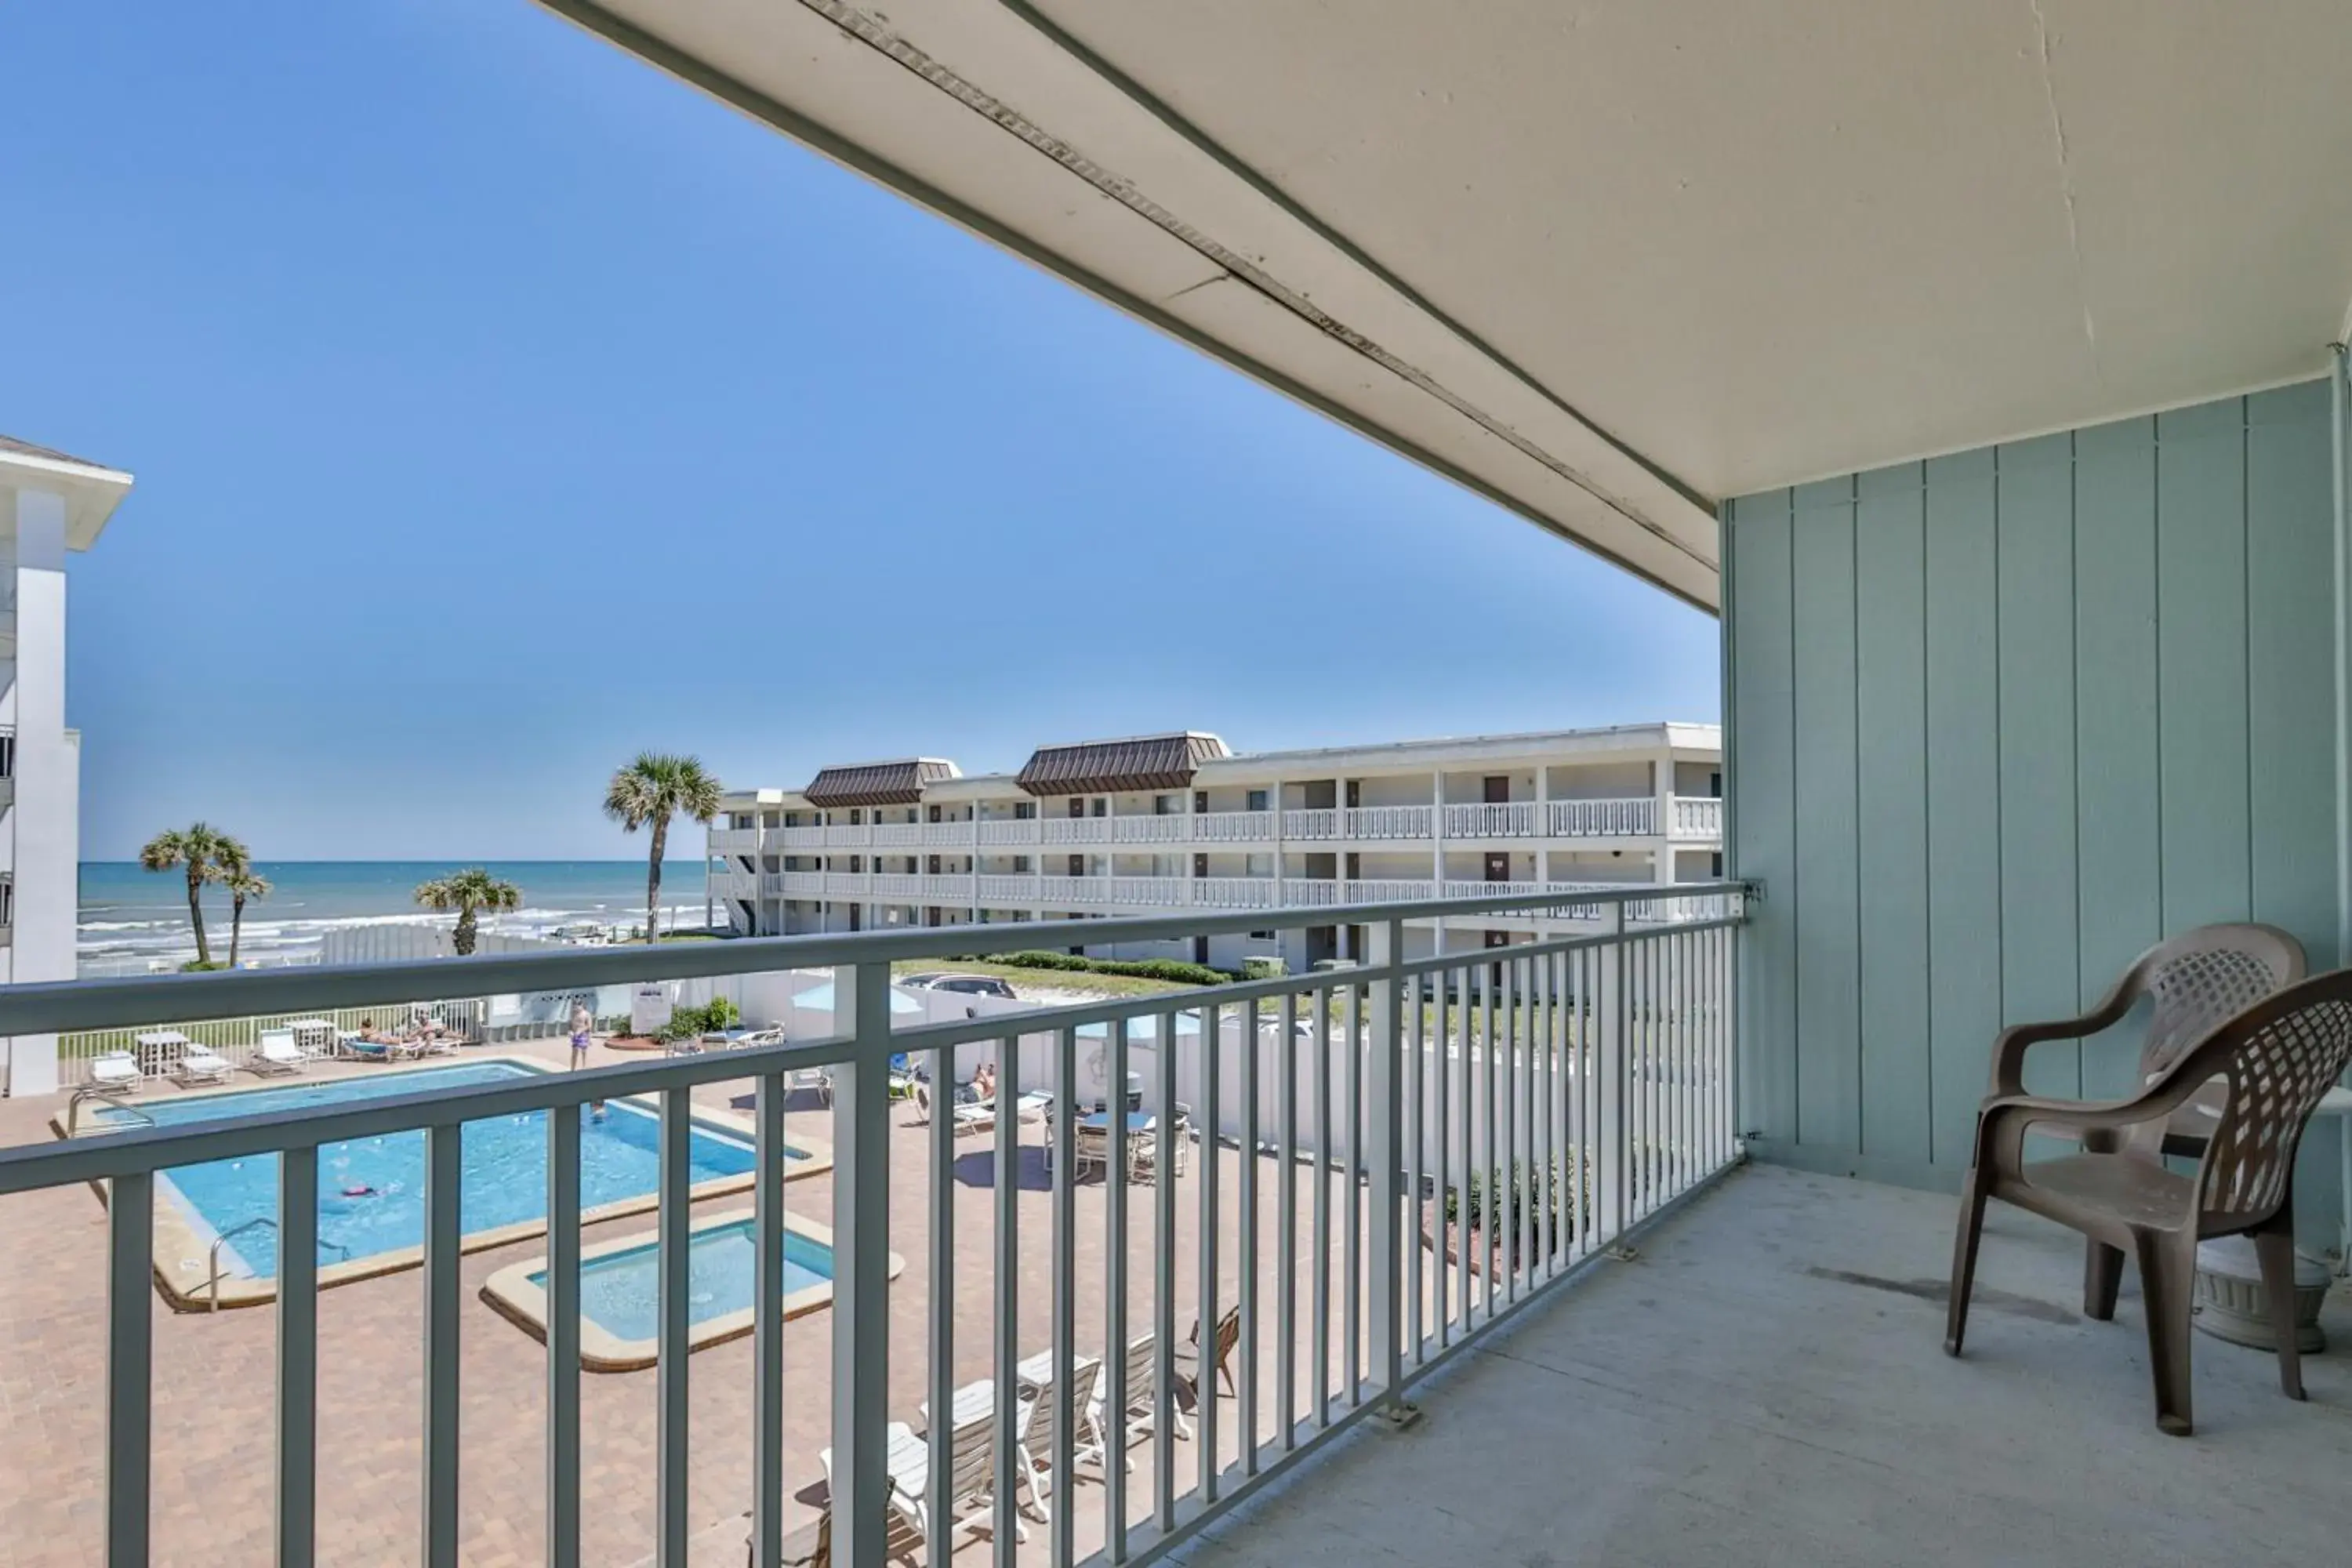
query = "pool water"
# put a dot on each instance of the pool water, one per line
(371, 1190)
(620, 1293)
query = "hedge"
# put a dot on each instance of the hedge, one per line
(1168, 968)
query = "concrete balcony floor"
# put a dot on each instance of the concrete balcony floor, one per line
(1766, 1382)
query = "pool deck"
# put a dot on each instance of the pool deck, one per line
(215, 1376)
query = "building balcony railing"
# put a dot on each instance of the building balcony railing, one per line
(895, 885)
(1157, 829)
(848, 884)
(800, 838)
(1611, 1056)
(1013, 830)
(800, 884)
(1234, 828)
(735, 841)
(1074, 830)
(948, 835)
(853, 834)
(897, 834)
(1697, 816)
(1033, 892)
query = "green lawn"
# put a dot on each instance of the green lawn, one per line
(1025, 981)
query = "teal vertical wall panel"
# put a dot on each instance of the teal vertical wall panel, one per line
(1891, 813)
(2118, 833)
(1762, 702)
(2076, 695)
(2034, 504)
(2200, 594)
(1829, 883)
(2291, 652)
(1963, 709)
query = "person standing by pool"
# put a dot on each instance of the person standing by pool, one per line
(582, 1021)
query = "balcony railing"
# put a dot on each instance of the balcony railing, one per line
(896, 885)
(801, 884)
(1076, 829)
(1167, 829)
(948, 835)
(800, 837)
(1233, 827)
(1697, 816)
(848, 884)
(897, 834)
(1388, 821)
(734, 840)
(852, 834)
(1592, 1074)
(1601, 818)
(1014, 830)
(1313, 823)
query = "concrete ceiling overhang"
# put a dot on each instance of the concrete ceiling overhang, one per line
(1607, 263)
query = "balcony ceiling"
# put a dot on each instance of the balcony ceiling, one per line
(1606, 264)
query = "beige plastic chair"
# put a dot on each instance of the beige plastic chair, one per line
(2272, 1063)
(2196, 980)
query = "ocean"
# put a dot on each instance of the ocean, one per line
(135, 922)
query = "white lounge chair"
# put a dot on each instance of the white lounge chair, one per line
(115, 1072)
(277, 1054)
(201, 1064)
(971, 1471)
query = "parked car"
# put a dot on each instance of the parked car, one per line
(969, 984)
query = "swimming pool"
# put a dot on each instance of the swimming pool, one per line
(620, 1307)
(371, 1190)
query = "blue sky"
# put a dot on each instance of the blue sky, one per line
(500, 407)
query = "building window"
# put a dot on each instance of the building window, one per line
(1101, 804)
(1163, 806)
(1021, 867)
(1257, 800)
(1200, 800)
(935, 817)
(1022, 810)
(1261, 936)
(1714, 785)
(1714, 866)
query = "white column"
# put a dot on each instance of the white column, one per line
(46, 820)
(1437, 850)
(1277, 803)
(1662, 779)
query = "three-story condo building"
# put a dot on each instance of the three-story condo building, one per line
(1156, 823)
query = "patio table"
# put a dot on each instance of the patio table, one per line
(158, 1050)
(313, 1036)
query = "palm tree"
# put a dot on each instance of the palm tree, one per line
(653, 789)
(205, 853)
(467, 891)
(243, 882)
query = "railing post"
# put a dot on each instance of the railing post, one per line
(1385, 1081)
(861, 1250)
(1613, 1169)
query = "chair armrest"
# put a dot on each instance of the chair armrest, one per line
(2008, 1049)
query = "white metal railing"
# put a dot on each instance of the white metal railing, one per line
(1234, 828)
(852, 834)
(1156, 829)
(1311, 823)
(800, 838)
(896, 885)
(1233, 892)
(1388, 891)
(948, 835)
(773, 883)
(807, 884)
(1602, 818)
(1010, 830)
(1522, 1109)
(734, 840)
(947, 889)
(1311, 892)
(890, 833)
(1076, 829)
(1073, 890)
(1388, 821)
(1697, 816)
(1508, 819)
(1016, 889)
(848, 884)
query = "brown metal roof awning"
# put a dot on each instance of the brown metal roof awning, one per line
(877, 784)
(1107, 767)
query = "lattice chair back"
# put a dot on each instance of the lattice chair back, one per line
(2275, 1060)
(2202, 978)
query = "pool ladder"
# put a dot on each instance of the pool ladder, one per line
(213, 1285)
(89, 1092)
